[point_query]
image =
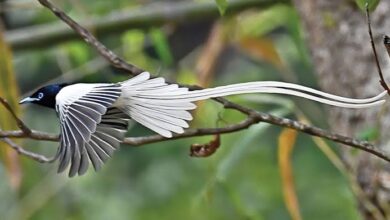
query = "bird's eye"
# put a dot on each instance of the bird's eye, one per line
(40, 95)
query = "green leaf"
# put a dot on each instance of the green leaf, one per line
(78, 51)
(260, 23)
(371, 4)
(133, 44)
(222, 6)
(161, 44)
(369, 134)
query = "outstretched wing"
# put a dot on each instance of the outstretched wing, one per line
(80, 108)
(109, 133)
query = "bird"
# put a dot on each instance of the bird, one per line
(94, 116)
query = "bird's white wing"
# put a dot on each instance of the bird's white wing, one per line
(80, 108)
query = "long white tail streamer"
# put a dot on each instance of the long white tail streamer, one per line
(161, 91)
(280, 88)
(159, 105)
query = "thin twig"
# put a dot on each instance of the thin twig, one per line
(151, 15)
(35, 135)
(26, 130)
(382, 79)
(386, 42)
(89, 38)
(254, 118)
(20, 150)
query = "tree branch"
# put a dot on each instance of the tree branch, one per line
(382, 80)
(35, 156)
(152, 15)
(256, 117)
(19, 122)
(253, 116)
(89, 38)
(35, 135)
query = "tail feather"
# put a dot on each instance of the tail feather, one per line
(164, 107)
(164, 116)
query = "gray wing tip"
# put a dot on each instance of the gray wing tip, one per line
(103, 143)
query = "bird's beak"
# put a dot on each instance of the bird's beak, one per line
(27, 100)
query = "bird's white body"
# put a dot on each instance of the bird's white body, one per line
(94, 116)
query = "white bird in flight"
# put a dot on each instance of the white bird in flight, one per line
(94, 117)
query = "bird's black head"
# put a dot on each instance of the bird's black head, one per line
(45, 96)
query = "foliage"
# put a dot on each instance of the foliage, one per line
(370, 3)
(222, 6)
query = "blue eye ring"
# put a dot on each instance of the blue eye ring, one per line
(40, 95)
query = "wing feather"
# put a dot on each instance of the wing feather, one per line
(80, 114)
(109, 133)
(75, 163)
(95, 158)
(82, 130)
(102, 154)
(95, 115)
(102, 102)
(64, 154)
(87, 120)
(103, 144)
(84, 163)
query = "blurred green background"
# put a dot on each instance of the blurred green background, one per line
(242, 180)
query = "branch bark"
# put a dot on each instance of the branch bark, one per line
(149, 16)
(254, 117)
(19, 122)
(35, 156)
